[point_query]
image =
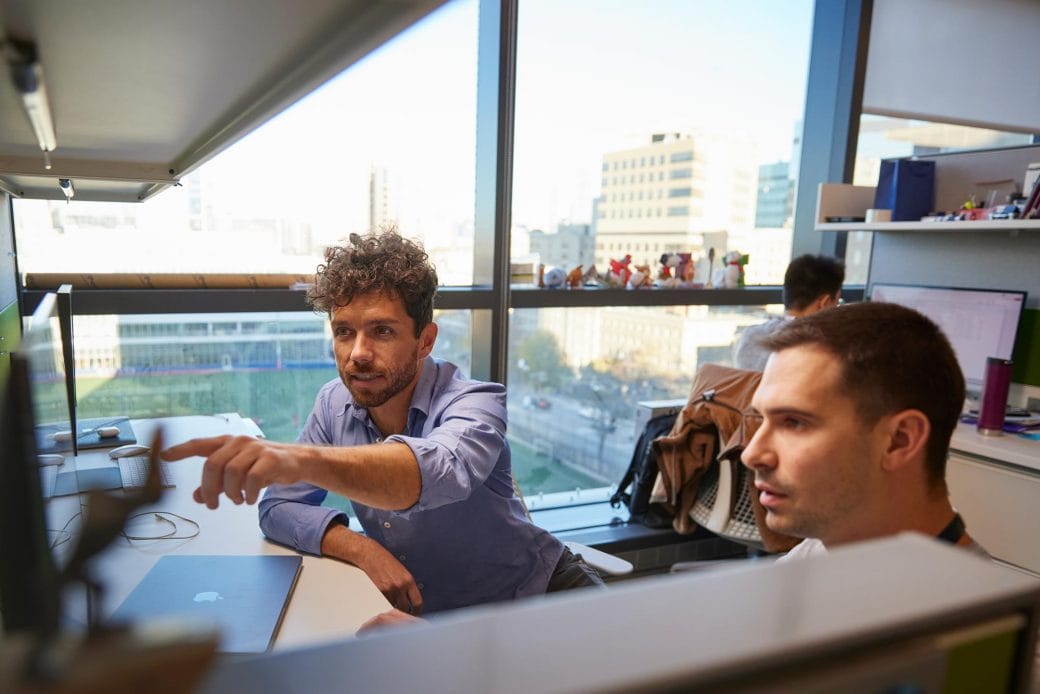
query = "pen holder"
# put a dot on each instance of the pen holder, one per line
(995, 386)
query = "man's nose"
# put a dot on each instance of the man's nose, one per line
(360, 350)
(758, 454)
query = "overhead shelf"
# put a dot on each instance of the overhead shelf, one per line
(981, 225)
(844, 200)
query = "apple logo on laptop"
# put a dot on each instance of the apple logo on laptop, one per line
(207, 596)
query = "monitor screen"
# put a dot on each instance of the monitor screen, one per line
(28, 577)
(42, 346)
(979, 323)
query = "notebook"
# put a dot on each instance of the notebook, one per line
(244, 597)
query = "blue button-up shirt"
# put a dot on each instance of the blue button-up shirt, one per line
(467, 540)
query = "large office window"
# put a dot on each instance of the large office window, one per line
(390, 140)
(659, 90)
(616, 102)
(576, 376)
(617, 105)
(265, 366)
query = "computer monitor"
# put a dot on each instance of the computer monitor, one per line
(47, 343)
(29, 598)
(54, 413)
(979, 323)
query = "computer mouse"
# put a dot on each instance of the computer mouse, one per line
(64, 435)
(128, 450)
(107, 432)
(50, 459)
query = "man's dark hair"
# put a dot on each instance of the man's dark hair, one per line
(385, 263)
(809, 277)
(893, 359)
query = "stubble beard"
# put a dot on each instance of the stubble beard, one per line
(396, 381)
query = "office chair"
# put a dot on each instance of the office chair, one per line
(701, 477)
(607, 564)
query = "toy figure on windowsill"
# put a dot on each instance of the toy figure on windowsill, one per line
(677, 271)
(666, 276)
(732, 275)
(640, 278)
(552, 278)
(686, 272)
(619, 272)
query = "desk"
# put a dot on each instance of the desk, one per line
(332, 599)
(876, 616)
(994, 482)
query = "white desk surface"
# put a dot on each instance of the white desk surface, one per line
(331, 600)
(1007, 448)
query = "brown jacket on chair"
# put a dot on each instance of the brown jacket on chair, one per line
(689, 449)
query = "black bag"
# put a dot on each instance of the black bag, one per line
(641, 475)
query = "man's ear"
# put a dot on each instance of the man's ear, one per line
(827, 300)
(906, 435)
(427, 337)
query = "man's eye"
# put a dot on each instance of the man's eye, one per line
(384, 330)
(342, 332)
(793, 424)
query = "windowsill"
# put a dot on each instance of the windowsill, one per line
(608, 529)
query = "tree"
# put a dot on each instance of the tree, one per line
(608, 395)
(540, 362)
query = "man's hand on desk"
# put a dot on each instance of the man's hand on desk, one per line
(387, 619)
(239, 466)
(384, 570)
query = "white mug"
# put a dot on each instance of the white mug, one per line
(875, 215)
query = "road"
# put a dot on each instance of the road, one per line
(564, 433)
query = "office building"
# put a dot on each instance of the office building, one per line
(568, 246)
(682, 192)
(775, 202)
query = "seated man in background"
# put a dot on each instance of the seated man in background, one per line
(420, 450)
(856, 407)
(811, 283)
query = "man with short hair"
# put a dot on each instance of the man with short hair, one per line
(811, 283)
(418, 448)
(854, 416)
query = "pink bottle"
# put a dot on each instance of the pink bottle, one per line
(995, 386)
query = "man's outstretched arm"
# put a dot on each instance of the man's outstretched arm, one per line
(382, 475)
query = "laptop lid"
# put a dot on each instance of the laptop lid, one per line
(244, 597)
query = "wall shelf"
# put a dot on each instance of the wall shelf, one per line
(981, 225)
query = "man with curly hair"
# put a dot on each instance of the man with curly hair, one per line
(418, 448)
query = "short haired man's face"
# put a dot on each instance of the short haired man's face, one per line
(378, 355)
(816, 463)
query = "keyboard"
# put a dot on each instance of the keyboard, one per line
(133, 470)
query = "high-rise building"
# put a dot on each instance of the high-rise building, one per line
(774, 206)
(570, 245)
(668, 195)
(379, 214)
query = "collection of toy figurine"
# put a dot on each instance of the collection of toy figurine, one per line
(676, 271)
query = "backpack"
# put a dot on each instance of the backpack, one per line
(641, 475)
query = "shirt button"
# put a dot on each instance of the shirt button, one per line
(386, 524)
(421, 586)
(401, 557)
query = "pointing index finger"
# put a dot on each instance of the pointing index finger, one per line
(201, 447)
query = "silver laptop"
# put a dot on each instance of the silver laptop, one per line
(244, 597)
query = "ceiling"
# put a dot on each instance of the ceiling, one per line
(142, 92)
